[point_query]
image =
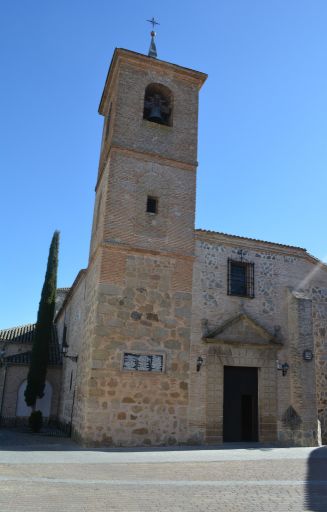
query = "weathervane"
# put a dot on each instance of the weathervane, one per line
(153, 49)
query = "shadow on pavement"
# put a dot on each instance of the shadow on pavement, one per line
(12, 439)
(316, 483)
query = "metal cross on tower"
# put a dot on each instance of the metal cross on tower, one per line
(154, 23)
(153, 49)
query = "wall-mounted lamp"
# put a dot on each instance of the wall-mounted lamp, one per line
(199, 363)
(307, 355)
(282, 367)
(64, 350)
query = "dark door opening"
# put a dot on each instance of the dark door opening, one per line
(240, 404)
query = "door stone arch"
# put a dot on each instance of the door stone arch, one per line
(42, 404)
(241, 342)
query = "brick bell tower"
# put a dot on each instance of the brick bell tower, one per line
(135, 358)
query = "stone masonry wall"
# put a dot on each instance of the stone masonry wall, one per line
(80, 416)
(279, 271)
(319, 311)
(73, 317)
(147, 311)
(142, 288)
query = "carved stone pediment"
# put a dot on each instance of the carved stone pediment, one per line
(243, 330)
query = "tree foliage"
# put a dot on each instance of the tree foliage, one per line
(35, 421)
(43, 330)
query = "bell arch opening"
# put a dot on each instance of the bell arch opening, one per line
(158, 104)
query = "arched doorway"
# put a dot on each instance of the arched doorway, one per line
(42, 404)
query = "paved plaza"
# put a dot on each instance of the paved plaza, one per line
(48, 474)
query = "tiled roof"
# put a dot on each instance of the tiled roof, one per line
(19, 334)
(25, 334)
(63, 289)
(21, 358)
(208, 231)
(55, 358)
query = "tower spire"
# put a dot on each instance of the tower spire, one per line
(153, 49)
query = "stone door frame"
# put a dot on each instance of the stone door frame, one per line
(263, 358)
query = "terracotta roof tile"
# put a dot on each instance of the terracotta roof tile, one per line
(25, 334)
(19, 334)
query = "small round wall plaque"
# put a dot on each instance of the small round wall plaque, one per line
(307, 355)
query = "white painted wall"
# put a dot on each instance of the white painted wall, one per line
(42, 404)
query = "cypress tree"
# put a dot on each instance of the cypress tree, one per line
(43, 329)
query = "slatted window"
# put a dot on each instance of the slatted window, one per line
(240, 278)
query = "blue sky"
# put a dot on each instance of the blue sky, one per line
(262, 126)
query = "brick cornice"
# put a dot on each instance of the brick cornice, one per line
(121, 247)
(144, 62)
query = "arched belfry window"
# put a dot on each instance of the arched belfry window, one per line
(158, 104)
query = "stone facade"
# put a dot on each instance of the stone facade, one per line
(154, 286)
(139, 281)
(288, 304)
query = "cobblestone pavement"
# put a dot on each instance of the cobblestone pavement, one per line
(50, 474)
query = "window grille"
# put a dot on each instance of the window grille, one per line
(240, 278)
(152, 205)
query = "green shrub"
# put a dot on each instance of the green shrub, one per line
(35, 421)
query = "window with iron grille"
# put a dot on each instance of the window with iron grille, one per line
(152, 204)
(240, 279)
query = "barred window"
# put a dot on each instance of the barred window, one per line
(240, 278)
(152, 204)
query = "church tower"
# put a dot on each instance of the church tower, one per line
(133, 385)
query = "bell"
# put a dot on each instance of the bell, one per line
(155, 114)
(155, 109)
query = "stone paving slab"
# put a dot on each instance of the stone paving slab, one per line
(57, 475)
(31, 456)
(152, 498)
(197, 471)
